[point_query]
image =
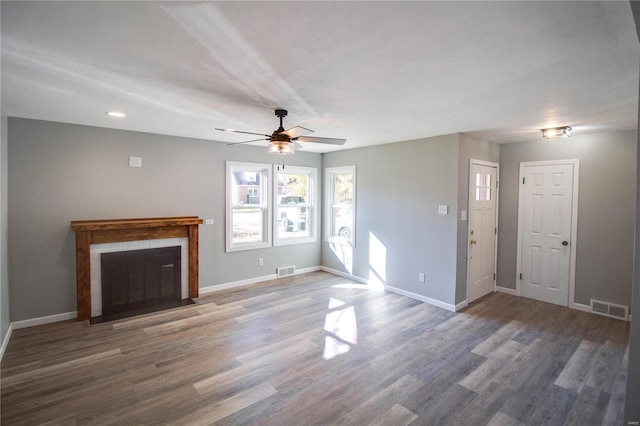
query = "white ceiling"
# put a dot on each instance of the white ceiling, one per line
(371, 72)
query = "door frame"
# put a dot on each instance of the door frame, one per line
(574, 223)
(470, 195)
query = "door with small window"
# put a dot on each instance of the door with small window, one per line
(482, 234)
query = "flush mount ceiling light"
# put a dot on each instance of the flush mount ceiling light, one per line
(116, 114)
(556, 132)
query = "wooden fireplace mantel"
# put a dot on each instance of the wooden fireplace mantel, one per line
(120, 230)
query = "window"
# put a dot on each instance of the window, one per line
(483, 187)
(248, 214)
(295, 201)
(340, 184)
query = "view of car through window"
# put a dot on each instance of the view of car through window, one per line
(342, 222)
(293, 212)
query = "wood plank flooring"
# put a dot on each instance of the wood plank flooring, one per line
(320, 349)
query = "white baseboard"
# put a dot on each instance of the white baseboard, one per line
(235, 284)
(344, 275)
(399, 291)
(425, 299)
(580, 307)
(250, 281)
(461, 305)
(506, 290)
(44, 320)
(5, 342)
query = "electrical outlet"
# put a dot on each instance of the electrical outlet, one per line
(209, 221)
(443, 209)
(421, 277)
(260, 261)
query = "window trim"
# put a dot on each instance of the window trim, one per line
(266, 172)
(312, 203)
(328, 209)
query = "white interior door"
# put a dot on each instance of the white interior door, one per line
(546, 215)
(483, 195)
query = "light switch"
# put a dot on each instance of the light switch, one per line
(443, 209)
(135, 161)
(463, 215)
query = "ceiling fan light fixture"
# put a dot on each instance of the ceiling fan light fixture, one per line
(556, 132)
(281, 148)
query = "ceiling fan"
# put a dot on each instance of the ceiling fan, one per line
(283, 141)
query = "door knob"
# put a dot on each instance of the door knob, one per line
(473, 242)
(565, 243)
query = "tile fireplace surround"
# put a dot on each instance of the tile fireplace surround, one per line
(121, 230)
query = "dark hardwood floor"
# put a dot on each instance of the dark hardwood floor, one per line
(320, 349)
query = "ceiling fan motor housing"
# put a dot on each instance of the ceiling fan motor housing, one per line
(277, 136)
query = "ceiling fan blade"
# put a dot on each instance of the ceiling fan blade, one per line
(297, 131)
(244, 133)
(253, 140)
(314, 139)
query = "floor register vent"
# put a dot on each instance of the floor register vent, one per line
(286, 271)
(610, 309)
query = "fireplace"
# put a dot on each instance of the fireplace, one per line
(97, 237)
(137, 279)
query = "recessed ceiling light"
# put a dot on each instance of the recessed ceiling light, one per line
(556, 132)
(116, 114)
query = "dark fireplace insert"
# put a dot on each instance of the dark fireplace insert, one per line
(140, 281)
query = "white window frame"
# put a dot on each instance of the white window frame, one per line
(329, 172)
(265, 170)
(312, 174)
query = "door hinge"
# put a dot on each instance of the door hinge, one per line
(497, 184)
(523, 181)
(494, 276)
(495, 230)
(520, 275)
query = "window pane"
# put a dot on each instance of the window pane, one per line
(247, 225)
(340, 209)
(246, 188)
(294, 221)
(295, 203)
(248, 218)
(342, 221)
(343, 189)
(293, 189)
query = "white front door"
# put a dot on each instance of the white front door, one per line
(483, 194)
(546, 215)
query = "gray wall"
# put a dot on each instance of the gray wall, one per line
(470, 148)
(606, 210)
(62, 172)
(632, 408)
(5, 311)
(399, 188)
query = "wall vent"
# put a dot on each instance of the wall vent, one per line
(610, 309)
(286, 271)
